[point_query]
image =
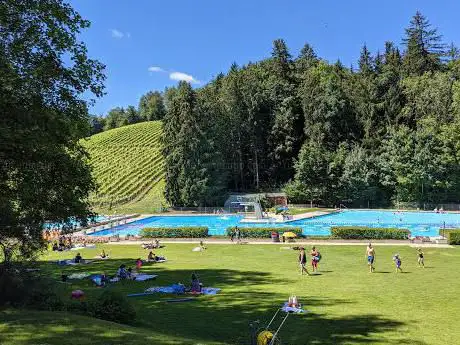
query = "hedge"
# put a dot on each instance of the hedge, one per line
(452, 235)
(263, 232)
(363, 232)
(179, 232)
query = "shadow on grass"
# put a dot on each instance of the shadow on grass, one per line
(219, 319)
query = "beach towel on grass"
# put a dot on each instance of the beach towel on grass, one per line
(287, 309)
(173, 289)
(138, 278)
(143, 277)
(78, 275)
(71, 262)
(88, 246)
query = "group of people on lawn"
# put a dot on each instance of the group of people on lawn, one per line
(370, 253)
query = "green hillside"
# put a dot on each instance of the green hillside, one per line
(129, 168)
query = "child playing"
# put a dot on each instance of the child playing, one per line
(420, 259)
(397, 260)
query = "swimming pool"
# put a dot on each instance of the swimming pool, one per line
(73, 222)
(419, 223)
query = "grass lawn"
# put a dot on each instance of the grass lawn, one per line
(345, 303)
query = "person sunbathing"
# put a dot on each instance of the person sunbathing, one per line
(151, 257)
(138, 264)
(195, 285)
(78, 259)
(122, 273)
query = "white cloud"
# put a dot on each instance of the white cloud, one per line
(155, 69)
(118, 34)
(179, 76)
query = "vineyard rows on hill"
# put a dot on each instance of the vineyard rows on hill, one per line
(127, 163)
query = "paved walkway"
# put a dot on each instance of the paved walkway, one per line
(292, 244)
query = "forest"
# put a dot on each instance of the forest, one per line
(384, 131)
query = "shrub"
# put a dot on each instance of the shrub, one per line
(363, 232)
(20, 288)
(263, 232)
(193, 232)
(112, 306)
(452, 235)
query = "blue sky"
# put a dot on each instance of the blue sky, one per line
(149, 45)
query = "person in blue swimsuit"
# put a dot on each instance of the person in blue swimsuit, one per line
(398, 262)
(370, 253)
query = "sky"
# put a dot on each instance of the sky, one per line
(148, 45)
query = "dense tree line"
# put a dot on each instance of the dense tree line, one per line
(151, 108)
(388, 131)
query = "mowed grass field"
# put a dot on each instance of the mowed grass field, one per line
(345, 303)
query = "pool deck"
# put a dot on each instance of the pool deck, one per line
(129, 219)
(273, 218)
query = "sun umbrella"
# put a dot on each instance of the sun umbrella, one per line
(289, 234)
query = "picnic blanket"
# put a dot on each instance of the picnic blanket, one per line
(287, 309)
(78, 275)
(143, 277)
(174, 289)
(71, 262)
(139, 278)
(88, 246)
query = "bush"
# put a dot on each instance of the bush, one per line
(193, 232)
(363, 232)
(112, 306)
(452, 235)
(263, 232)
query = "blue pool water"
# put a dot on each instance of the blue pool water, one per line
(74, 222)
(419, 223)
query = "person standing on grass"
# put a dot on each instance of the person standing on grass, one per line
(370, 253)
(237, 234)
(398, 262)
(314, 259)
(420, 259)
(303, 261)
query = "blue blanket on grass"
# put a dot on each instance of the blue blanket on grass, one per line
(179, 289)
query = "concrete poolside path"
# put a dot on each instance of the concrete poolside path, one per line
(209, 241)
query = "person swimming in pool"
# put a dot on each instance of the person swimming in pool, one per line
(370, 252)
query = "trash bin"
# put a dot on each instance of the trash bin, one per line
(275, 237)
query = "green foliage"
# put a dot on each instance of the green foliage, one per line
(127, 163)
(452, 235)
(151, 106)
(45, 75)
(263, 232)
(178, 232)
(423, 47)
(112, 306)
(365, 233)
(20, 288)
(187, 151)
